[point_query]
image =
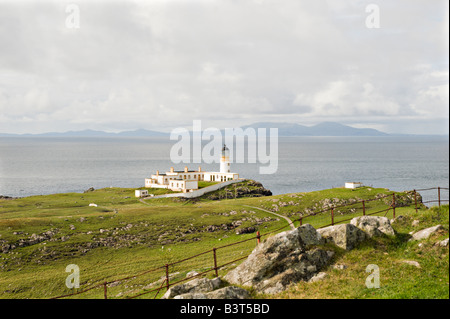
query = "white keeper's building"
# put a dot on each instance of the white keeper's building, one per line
(187, 180)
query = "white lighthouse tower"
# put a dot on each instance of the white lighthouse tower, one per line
(225, 160)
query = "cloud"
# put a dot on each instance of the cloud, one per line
(162, 64)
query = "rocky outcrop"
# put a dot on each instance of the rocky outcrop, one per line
(8, 197)
(345, 236)
(31, 240)
(90, 189)
(374, 225)
(247, 188)
(401, 200)
(282, 259)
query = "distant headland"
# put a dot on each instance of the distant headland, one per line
(284, 129)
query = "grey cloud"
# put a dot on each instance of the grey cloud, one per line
(169, 62)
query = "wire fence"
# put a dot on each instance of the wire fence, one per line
(329, 216)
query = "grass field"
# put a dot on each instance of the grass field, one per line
(123, 237)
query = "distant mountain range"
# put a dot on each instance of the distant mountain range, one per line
(284, 129)
(321, 129)
(92, 133)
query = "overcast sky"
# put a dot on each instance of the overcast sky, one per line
(162, 64)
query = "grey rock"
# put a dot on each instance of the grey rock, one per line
(443, 243)
(339, 266)
(198, 285)
(425, 233)
(245, 230)
(374, 225)
(230, 292)
(345, 236)
(192, 273)
(318, 277)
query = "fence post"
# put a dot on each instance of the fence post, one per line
(393, 204)
(415, 199)
(105, 290)
(332, 217)
(364, 208)
(215, 262)
(258, 237)
(439, 196)
(167, 277)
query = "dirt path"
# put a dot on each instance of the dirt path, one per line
(268, 211)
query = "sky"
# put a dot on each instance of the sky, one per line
(158, 65)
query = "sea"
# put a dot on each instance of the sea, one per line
(47, 165)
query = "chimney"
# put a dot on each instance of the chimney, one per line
(199, 168)
(157, 173)
(171, 169)
(185, 169)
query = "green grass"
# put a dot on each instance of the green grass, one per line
(163, 231)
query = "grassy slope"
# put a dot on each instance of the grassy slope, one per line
(398, 280)
(167, 230)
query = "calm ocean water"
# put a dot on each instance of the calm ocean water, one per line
(33, 166)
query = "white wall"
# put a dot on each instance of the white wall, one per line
(201, 191)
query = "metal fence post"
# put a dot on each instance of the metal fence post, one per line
(415, 199)
(393, 204)
(364, 208)
(332, 216)
(439, 196)
(167, 277)
(105, 290)
(215, 262)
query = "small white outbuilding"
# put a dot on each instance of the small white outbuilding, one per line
(353, 185)
(141, 192)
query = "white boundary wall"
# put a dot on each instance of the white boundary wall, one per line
(201, 191)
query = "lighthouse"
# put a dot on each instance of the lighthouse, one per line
(225, 160)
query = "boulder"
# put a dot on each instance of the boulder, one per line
(425, 233)
(282, 259)
(345, 236)
(199, 285)
(374, 225)
(230, 292)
